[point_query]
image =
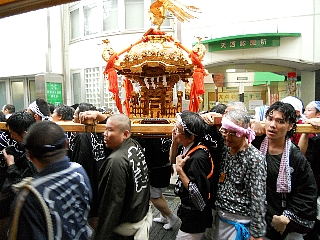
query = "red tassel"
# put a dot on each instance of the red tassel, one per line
(195, 59)
(111, 61)
(118, 102)
(128, 88)
(194, 103)
(113, 80)
(197, 87)
(198, 79)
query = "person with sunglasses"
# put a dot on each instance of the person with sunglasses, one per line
(241, 195)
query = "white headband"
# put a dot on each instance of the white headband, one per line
(184, 125)
(34, 108)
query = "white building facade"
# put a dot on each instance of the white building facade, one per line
(55, 53)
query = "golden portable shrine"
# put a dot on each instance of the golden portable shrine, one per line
(152, 66)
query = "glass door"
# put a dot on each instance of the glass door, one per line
(17, 92)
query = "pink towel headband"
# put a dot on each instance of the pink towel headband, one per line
(229, 125)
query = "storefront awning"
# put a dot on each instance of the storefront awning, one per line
(247, 41)
(261, 78)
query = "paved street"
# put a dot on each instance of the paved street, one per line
(157, 231)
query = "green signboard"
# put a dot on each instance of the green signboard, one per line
(54, 93)
(236, 44)
(247, 41)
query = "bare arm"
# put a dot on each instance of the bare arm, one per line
(280, 223)
(303, 143)
(315, 122)
(173, 150)
(93, 115)
(207, 117)
(8, 157)
(257, 127)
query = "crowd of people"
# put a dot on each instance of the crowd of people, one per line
(244, 180)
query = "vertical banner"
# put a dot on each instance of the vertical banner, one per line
(218, 79)
(274, 97)
(291, 83)
(291, 87)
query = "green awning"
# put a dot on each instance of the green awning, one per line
(260, 35)
(263, 77)
(247, 41)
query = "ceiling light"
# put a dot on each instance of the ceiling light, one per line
(231, 70)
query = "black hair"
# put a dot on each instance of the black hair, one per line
(11, 109)
(86, 107)
(194, 123)
(43, 107)
(289, 114)
(19, 122)
(82, 107)
(65, 111)
(220, 108)
(74, 106)
(2, 117)
(51, 107)
(44, 137)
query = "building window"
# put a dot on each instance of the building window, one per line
(92, 86)
(93, 83)
(32, 90)
(134, 13)
(74, 24)
(17, 91)
(109, 102)
(3, 95)
(110, 15)
(76, 87)
(91, 19)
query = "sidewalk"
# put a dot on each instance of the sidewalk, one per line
(157, 231)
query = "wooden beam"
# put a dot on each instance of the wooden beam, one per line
(139, 129)
(149, 129)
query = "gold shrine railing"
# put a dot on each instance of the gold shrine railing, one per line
(149, 129)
